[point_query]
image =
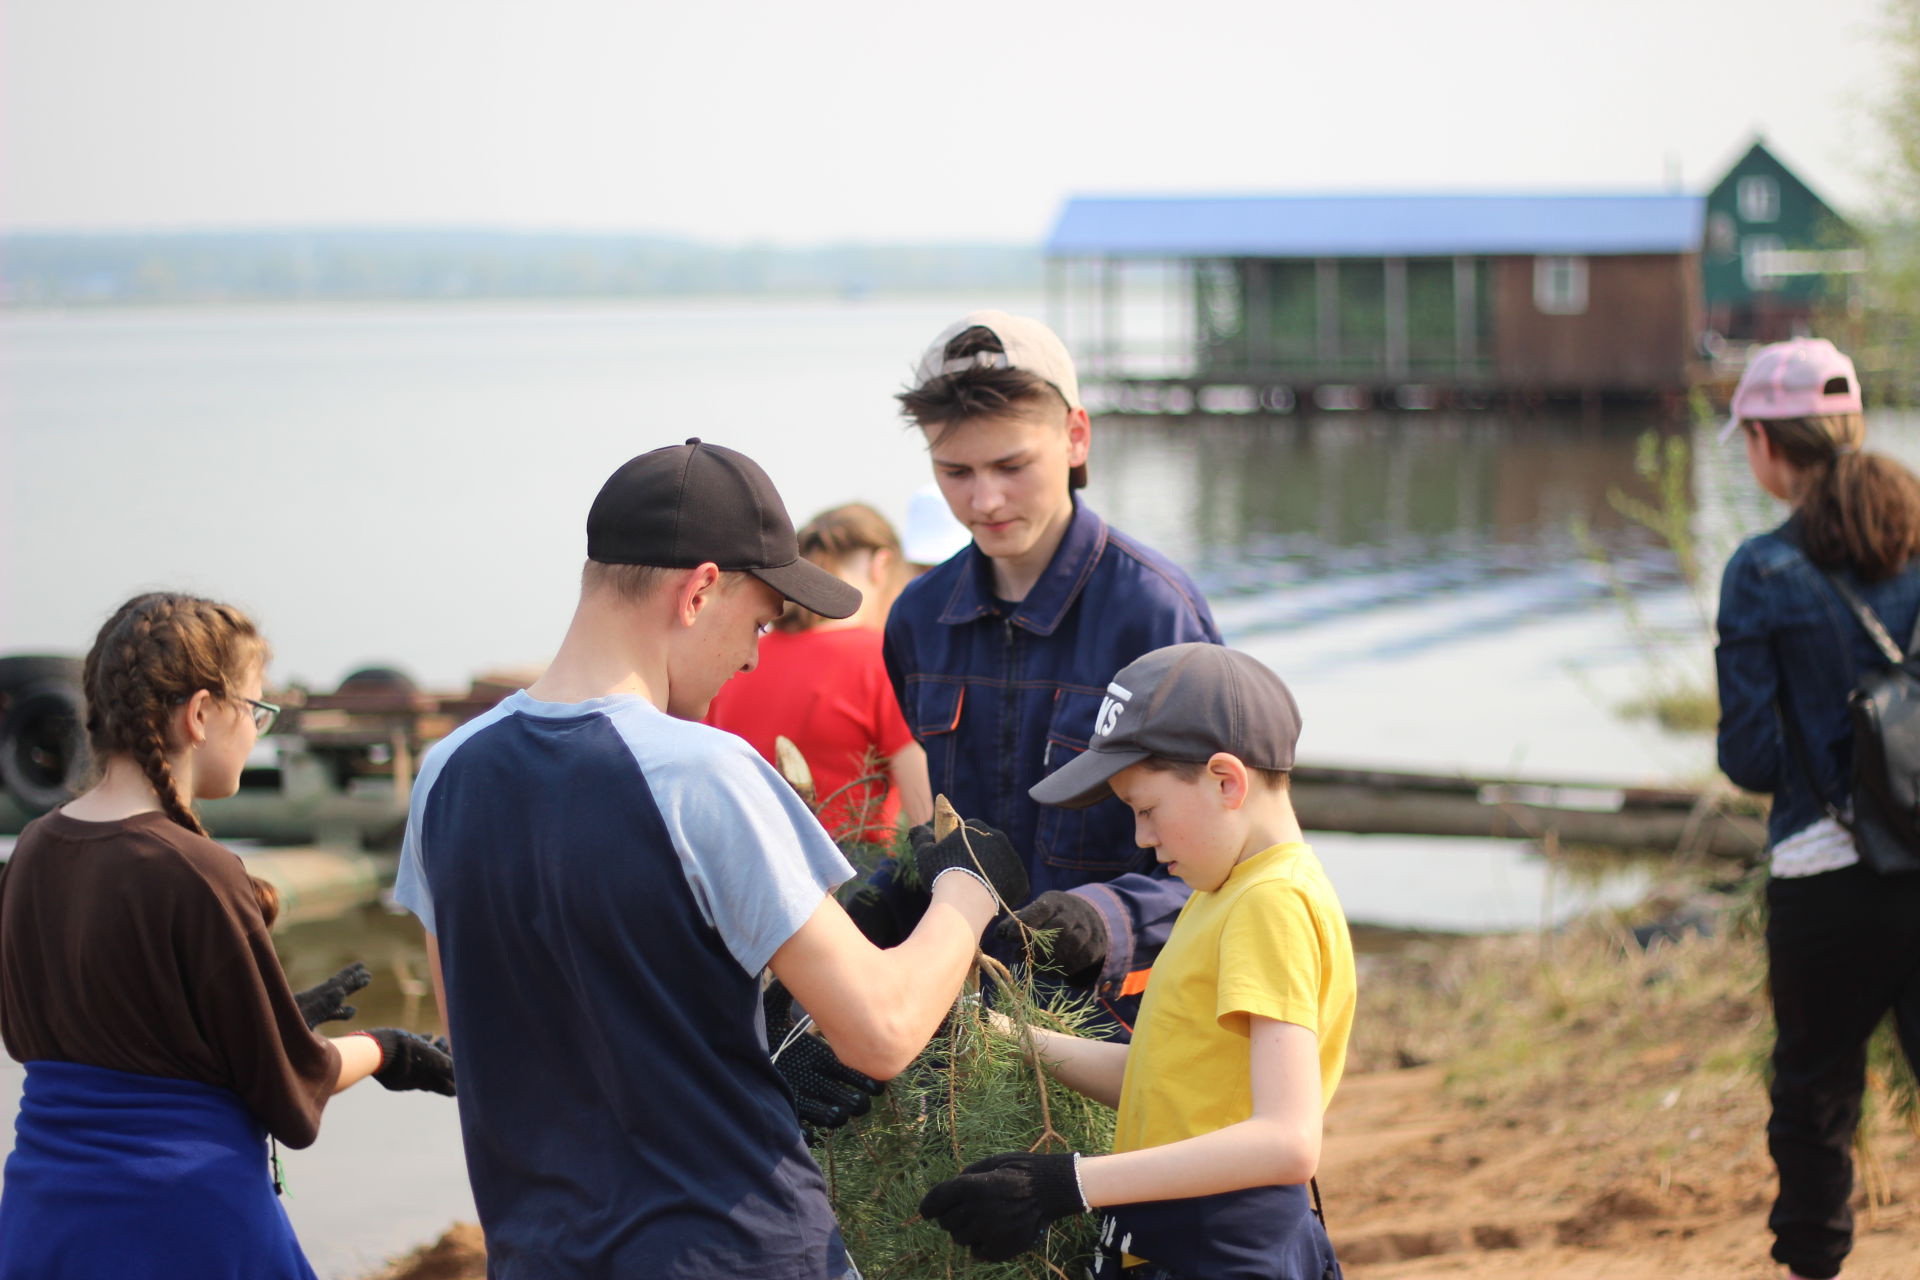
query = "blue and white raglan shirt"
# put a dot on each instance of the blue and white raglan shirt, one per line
(606, 884)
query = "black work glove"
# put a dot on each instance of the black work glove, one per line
(412, 1061)
(1078, 947)
(826, 1092)
(980, 849)
(886, 914)
(327, 1002)
(998, 1207)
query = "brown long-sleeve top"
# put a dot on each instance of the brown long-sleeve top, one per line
(138, 946)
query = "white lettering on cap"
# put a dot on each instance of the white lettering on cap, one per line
(1110, 708)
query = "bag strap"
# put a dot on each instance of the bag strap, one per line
(1876, 630)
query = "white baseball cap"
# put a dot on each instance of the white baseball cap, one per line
(1028, 345)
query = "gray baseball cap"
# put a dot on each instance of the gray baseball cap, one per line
(1184, 702)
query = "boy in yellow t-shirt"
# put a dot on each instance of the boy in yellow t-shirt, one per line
(1243, 1033)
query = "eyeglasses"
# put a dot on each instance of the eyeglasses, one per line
(264, 713)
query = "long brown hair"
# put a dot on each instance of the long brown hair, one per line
(833, 537)
(1858, 509)
(153, 654)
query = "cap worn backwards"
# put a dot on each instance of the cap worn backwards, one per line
(1025, 344)
(1804, 378)
(1184, 702)
(699, 503)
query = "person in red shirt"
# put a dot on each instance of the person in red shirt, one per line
(821, 684)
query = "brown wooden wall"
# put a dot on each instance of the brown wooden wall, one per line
(1636, 335)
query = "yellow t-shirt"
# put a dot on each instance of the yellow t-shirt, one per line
(1271, 941)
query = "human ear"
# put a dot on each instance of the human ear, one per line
(1079, 437)
(695, 592)
(1229, 773)
(193, 716)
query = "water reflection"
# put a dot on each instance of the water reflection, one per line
(389, 943)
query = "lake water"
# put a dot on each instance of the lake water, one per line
(407, 485)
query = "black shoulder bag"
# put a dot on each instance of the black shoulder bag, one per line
(1884, 708)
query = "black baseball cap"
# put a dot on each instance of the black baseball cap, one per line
(1184, 702)
(692, 503)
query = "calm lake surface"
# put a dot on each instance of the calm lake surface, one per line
(407, 485)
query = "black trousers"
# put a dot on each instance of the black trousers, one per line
(1843, 948)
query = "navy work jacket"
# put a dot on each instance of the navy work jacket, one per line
(1002, 694)
(1790, 646)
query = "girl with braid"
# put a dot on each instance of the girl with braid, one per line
(163, 1046)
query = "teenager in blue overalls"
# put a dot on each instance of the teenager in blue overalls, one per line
(1000, 656)
(1843, 941)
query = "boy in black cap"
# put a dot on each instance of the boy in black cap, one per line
(604, 880)
(1243, 1032)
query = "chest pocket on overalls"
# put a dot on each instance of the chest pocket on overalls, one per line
(1061, 833)
(933, 713)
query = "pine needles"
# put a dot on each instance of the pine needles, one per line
(971, 1094)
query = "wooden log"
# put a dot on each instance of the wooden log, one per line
(1658, 822)
(793, 767)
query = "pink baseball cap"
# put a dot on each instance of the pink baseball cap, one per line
(1803, 378)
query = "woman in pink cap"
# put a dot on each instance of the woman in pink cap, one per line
(1796, 608)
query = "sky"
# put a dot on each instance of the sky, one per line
(771, 121)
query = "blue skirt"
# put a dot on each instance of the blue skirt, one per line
(139, 1178)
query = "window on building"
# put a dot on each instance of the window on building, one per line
(1756, 261)
(1560, 285)
(1723, 239)
(1759, 198)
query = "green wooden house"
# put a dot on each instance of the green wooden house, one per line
(1774, 252)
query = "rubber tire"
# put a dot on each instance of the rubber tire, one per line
(34, 668)
(43, 745)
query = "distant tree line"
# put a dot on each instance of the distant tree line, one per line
(66, 269)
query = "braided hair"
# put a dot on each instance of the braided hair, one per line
(152, 655)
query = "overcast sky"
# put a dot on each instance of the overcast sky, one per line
(890, 120)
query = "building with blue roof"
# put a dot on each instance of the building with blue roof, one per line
(1257, 301)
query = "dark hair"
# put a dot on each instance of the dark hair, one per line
(152, 655)
(1859, 509)
(830, 539)
(946, 401)
(1194, 770)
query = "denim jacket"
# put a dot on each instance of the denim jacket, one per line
(1790, 646)
(1001, 697)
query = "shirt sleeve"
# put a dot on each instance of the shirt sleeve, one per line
(1750, 742)
(1270, 959)
(280, 1069)
(410, 881)
(757, 860)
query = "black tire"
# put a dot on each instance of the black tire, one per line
(35, 668)
(43, 744)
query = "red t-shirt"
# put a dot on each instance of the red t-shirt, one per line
(826, 691)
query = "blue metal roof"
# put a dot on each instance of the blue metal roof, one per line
(1374, 226)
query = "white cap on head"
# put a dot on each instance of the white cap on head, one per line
(1028, 345)
(932, 535)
